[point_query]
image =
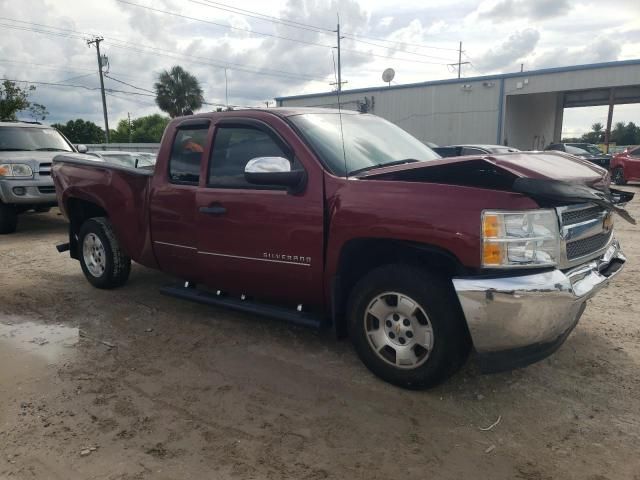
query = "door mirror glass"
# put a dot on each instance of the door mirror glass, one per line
(274, 171)
(82, 148)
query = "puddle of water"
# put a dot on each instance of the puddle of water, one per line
(28, 346)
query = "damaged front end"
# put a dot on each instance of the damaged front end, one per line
(520, 311)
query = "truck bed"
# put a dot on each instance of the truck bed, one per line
(121, 190)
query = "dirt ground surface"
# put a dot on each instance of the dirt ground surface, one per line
(129, 384)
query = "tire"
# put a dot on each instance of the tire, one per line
(103, 262)
(617, 176)
(436, 340)
(8, 219)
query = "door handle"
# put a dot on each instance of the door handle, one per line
(213, 210)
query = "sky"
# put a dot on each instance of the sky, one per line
(285, 47)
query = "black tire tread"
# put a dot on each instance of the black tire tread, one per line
(118, 262)
(437, 297)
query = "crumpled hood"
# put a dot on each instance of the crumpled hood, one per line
(549, 165)
(550, 178)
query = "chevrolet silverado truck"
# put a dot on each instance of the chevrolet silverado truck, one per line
(345, 220)
(26, 155)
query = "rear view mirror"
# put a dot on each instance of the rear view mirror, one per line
(275, 171)
(81, 148)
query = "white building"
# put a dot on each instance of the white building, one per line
(522, 109)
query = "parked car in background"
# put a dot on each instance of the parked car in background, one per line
(127, 159)
(625, 166)
(344, 220)
(592, 154)
(26, 152)
(462, 150)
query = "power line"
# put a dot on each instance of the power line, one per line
(305, 42)
(397, 42)
(262, 16)
(128, 84)
(84, 87)
(134, 100)
(231, 27)
(312, 28)
(176, 55)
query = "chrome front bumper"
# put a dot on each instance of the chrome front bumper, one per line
(517, 320)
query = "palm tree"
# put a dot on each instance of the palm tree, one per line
(178, 92)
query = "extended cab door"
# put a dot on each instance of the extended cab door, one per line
(172, 207)
(261, 241)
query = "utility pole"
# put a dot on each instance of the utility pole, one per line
(339, 62)
(97, 41)
(460, 62)
(226, 89)
(129, 118)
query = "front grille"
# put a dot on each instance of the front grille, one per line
(45, 169)
(585, 246)
(572, 217)
(50, 189)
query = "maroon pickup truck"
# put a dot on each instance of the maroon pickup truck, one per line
(345, 220)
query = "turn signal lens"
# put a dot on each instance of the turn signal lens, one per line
(5, 170)
(492, 254)
(490, 226)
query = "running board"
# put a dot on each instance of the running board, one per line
(292, 316)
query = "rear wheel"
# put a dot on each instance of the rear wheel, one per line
(407, 327)
(618, 176)
(103, 262)
(8, 218)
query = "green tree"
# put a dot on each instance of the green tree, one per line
(148, 129)
(178, 92)
(596, 135)
(81, 131)
(14, 99)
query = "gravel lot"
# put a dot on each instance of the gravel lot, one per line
(129, 384)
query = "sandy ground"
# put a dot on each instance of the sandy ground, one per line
(129, 384)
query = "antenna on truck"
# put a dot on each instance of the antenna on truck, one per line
(344, 153)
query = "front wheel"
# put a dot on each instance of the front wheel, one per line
(407, 327)
(103, 262)
(618, 176)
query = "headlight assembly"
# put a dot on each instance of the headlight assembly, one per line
(15, 170)
(520, 239)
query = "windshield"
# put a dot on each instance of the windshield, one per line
(589, 148)
(31, 139)
(369, 141)
(575, 150)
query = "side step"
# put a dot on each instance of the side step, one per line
(292, 316)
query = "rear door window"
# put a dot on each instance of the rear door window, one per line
(186, 155)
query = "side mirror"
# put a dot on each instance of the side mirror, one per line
(275, 171)
(82, 148)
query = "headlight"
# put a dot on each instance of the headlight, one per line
(525, 239)
(15, 170)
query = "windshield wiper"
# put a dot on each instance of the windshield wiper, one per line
(382, 165)
(51, 149)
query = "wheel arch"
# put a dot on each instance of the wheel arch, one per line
(359, 256)
(78, 211)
